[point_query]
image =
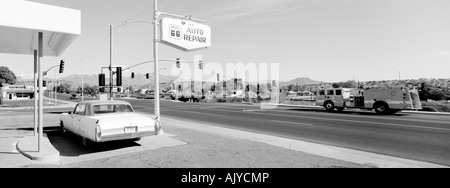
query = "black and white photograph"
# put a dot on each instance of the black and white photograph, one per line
(226, 85)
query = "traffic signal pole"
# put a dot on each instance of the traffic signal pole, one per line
(110, 61)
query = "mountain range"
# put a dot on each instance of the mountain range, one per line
(141, 80)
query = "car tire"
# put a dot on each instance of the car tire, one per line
(63, 129)
(329, 106)
(85, 141)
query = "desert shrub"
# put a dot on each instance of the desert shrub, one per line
(435, 107)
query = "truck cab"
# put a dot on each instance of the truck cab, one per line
(333, 98)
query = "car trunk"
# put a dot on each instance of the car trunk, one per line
(124, 124)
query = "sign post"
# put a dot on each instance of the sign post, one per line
(156, 59)
(179, 32)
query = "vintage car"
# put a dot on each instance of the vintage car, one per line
(102, 121)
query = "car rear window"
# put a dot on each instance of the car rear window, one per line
(112, 109)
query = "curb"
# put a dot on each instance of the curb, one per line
(47, 155)
(428, 113)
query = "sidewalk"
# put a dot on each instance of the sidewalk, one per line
(9, 156)
(47, 104)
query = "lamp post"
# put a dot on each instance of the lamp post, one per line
(225, 86)
(111, 40)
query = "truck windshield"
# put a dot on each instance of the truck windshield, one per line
(112, 109)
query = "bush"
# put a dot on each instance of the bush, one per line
(435, 107)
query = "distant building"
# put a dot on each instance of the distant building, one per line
(17, 92)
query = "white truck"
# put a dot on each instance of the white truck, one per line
(384, 100)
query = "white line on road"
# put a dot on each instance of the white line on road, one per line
(371, 117)
(254, 110)
(193, 112)
(365, 122)
(343, 120)
(354, 156)
(288, 122)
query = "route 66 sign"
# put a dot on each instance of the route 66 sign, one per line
(175, 32)
(185, 35)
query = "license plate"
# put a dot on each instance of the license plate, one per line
(130, 129)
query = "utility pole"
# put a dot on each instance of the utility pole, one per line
(156, 58)
(82, 81)
(110, 61)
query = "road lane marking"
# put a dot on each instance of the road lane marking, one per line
(288, 122)
(366, 117)
(344, 120)
(339, 153)
(366, 122)
(193, 112)
(254, 110)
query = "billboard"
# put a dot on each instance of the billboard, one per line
(185, 35)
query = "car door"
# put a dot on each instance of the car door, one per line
(77, 117)
(68, 123)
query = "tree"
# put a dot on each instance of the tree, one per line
(6, 77)
(427, 91)
(347, 84)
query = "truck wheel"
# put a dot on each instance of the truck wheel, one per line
(329, 106)
(381, 108)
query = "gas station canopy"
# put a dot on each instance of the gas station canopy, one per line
(21, 21)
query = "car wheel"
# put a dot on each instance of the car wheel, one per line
(85, 141)
(63, 129)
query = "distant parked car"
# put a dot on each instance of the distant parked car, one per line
(74, 96)
(102, 121)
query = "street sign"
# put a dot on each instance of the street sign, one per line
(185, 35)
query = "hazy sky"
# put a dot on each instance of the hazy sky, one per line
(327, 40)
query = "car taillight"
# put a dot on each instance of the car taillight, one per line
(98, 133)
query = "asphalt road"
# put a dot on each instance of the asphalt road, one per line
(412, 136)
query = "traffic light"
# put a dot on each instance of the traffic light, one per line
(132, 75)
(200, 65)
(44, 83)
(218, 77)
(178, 63)
(147, 76)
(213, 87)
(257, 89)
(119, 76)
(101, 80)
(61, 67)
